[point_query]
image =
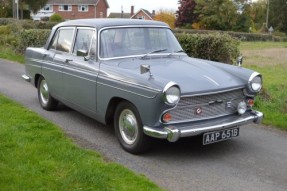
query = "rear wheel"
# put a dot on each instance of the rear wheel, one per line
(47, 102)
(129, 129)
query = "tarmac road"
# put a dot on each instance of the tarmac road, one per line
(256, 160)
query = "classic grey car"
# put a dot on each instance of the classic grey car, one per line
(135, 75)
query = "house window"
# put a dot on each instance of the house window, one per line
(65, 7)
(141, 17)
(47, 8)
(101, 15)
(83, 8)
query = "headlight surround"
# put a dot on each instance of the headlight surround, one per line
(255, 82)
(171, 94)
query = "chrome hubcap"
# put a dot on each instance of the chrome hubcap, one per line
(128, 126)
(44, 92)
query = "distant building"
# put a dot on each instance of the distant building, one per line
(71, 9)
(141, 14)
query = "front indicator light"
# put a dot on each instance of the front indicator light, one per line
(166, 117)
(251, 102)
(242, 107)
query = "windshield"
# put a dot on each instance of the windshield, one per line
(122, 42)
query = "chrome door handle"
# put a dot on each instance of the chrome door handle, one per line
(68, 60)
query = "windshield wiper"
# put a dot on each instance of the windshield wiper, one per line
(152, 52)
(178, 51)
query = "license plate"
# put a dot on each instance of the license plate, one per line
(216, 136)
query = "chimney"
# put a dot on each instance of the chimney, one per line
(153, 13)
(132, 10)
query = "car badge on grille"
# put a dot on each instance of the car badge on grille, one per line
(228, 105)
(198, 111)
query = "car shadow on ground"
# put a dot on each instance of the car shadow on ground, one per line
(160, 148)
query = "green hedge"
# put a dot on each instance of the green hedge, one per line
(216, 47)
(5, 30)
(240, 35)
(32, 38)
(27, 24)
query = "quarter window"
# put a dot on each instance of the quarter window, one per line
(65, 7)
(63, 40)
(83, 40)
(83, 8)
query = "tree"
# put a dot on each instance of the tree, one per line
(185, 13)
(166, 16)
(244, 21)
(34, 5)
(217, 14)
(5, 7)
(278, 15)
(258, 13)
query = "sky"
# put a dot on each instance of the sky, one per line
(115, 5)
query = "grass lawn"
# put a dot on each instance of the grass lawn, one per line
(7, 52)
(36, 155)
(270, 59)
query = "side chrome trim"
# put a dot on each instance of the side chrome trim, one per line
(173, 133)
(126, 91)
(26, 78)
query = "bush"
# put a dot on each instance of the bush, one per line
(56, 18)
(32, 37)
(216, 47)
(240, 35)
(5, 30)
(6, 21)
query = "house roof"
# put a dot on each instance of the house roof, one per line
(75, 2)
(120, 15)
(146, 12)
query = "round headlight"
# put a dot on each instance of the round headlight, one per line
(255, 83)
(171, 94)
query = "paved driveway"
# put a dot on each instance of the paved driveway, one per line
(257, 160)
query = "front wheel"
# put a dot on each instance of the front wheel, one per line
(47, 102)
(129, 129)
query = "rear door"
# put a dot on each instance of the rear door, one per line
(55, 59)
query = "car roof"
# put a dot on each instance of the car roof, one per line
(102, 23)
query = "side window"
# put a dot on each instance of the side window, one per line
(65, 40)
(83, 40)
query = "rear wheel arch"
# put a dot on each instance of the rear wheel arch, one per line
(37, 77)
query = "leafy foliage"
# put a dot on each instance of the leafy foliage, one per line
(216, 14)
(56, 18)
(278, 15)
(186, 14)
(34, 5)
(166, 16)
(32, 37)
(215, 47)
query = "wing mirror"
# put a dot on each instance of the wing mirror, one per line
(83, 53)
(239, 60)
(145, 68)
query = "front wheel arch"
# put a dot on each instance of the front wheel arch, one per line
(129, 129)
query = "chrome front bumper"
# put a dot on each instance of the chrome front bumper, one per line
(26, 78)
(173, 132)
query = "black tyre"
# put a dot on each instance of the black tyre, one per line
(129, 129)
(47, 102)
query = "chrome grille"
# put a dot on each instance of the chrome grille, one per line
(212, 105)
